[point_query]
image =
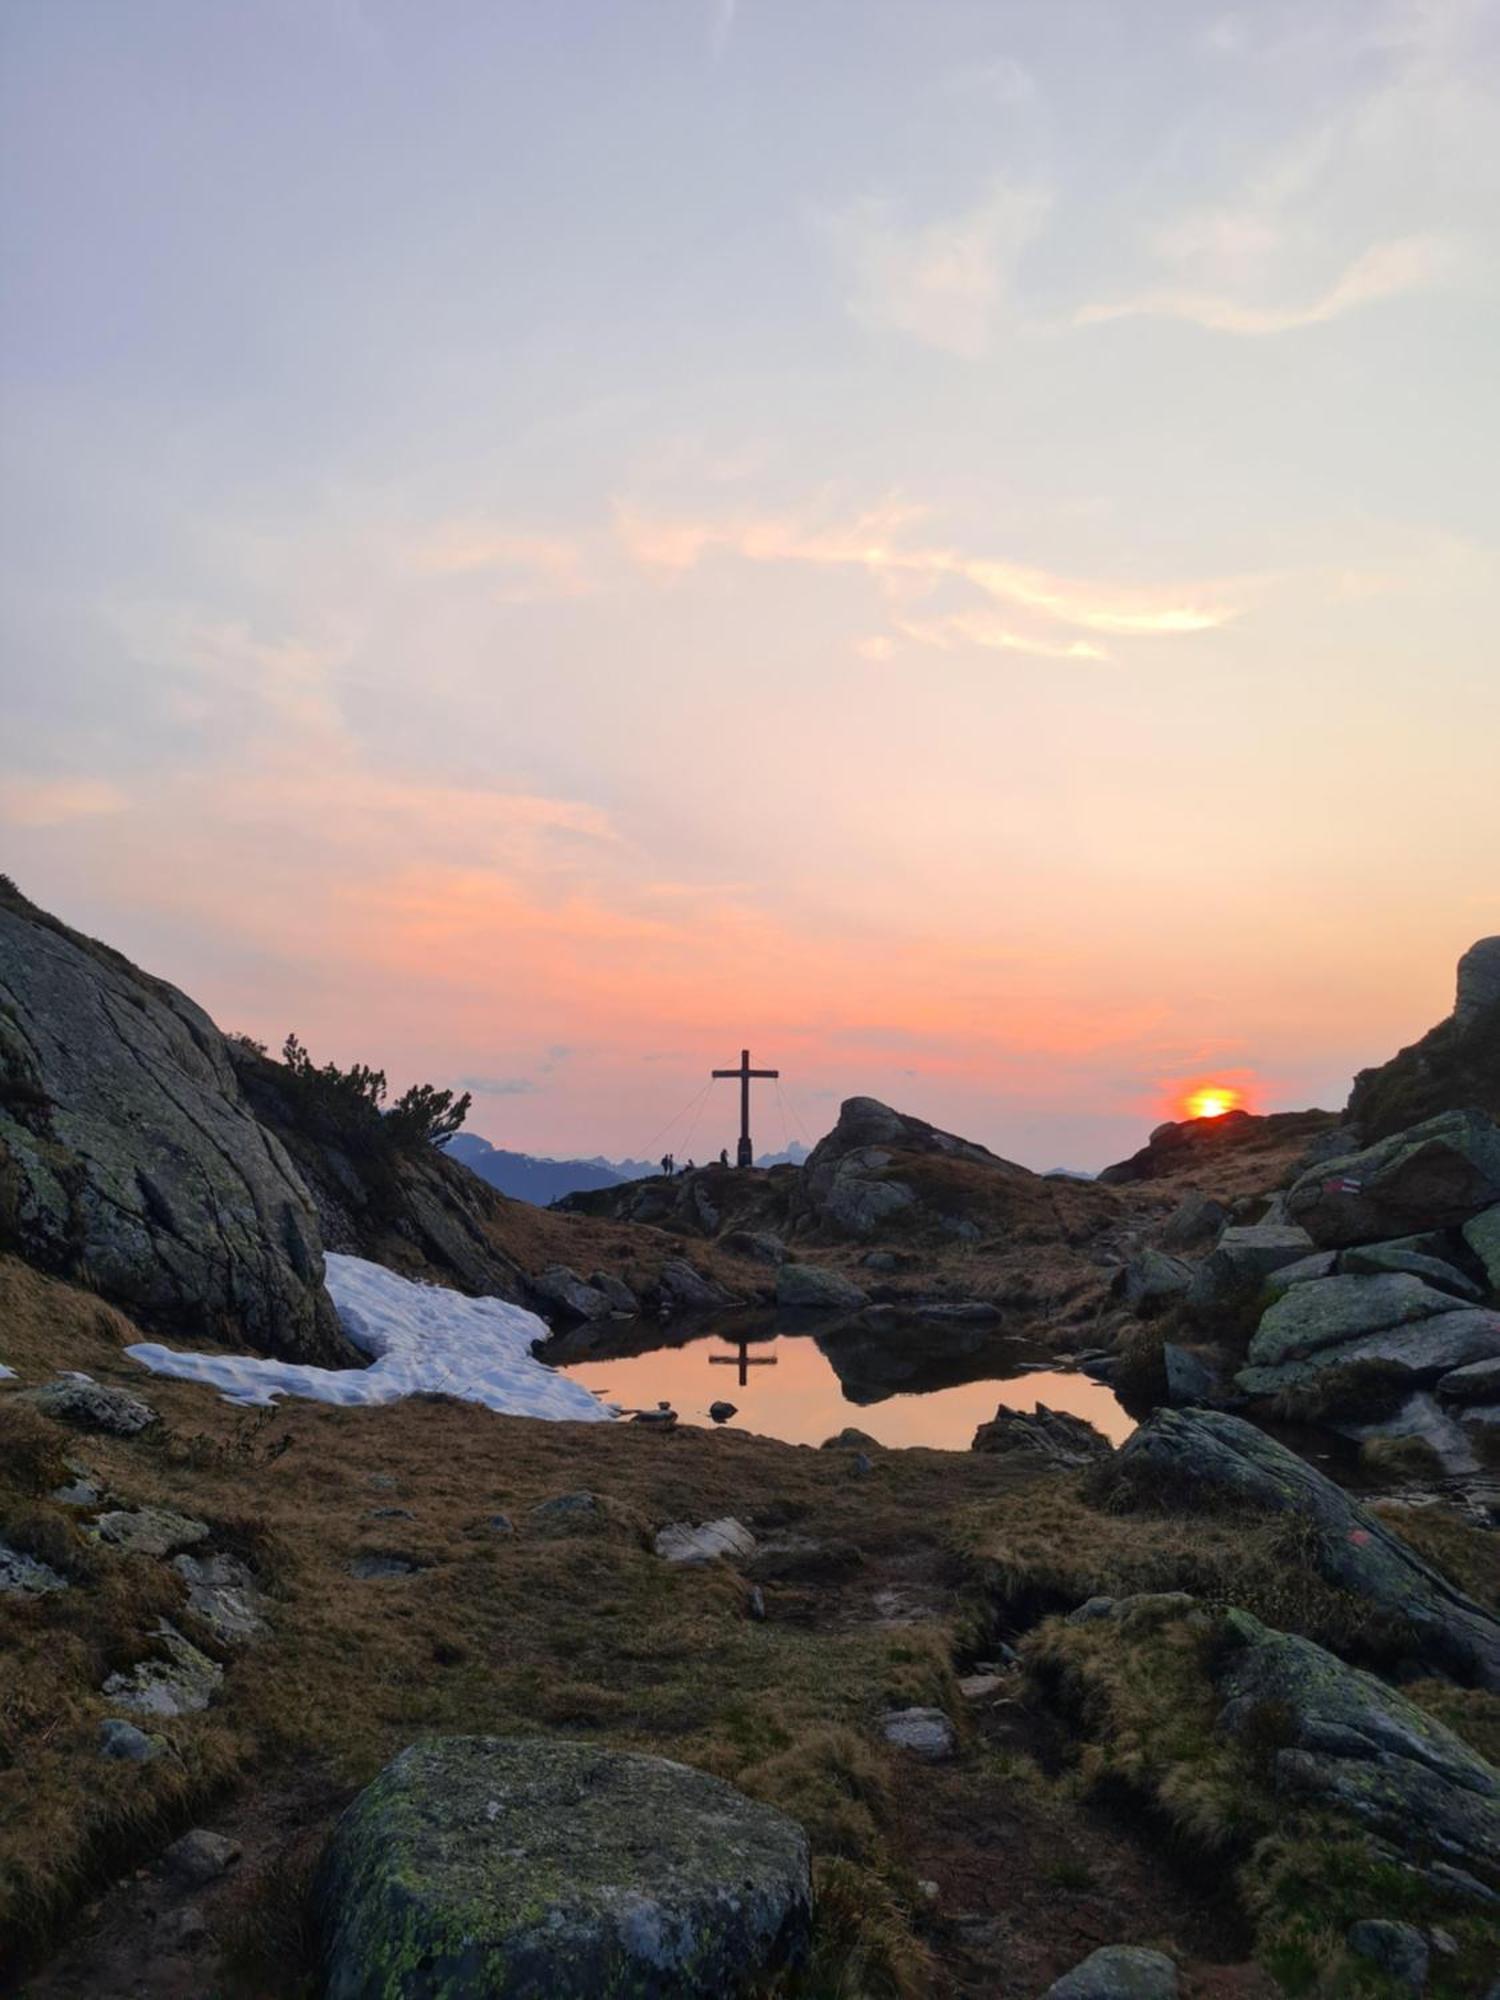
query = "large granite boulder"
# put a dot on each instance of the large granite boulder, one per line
(129, 1159)
(1209, 1457)
(1348, 1744)
(1242, 1261)
(812, 1288)
(1436, 1175)
(1335, 1327)
(520, 1867)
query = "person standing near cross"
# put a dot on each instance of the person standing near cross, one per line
(746, 1153)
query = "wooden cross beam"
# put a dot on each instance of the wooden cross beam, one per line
(746, 1154)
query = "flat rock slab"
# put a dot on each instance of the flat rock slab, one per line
(922, 1732)
(681, 1542)
(1118, 1972)
(150, 1531)
(522, 1867)
(1373, 1258)
(1330, 1311)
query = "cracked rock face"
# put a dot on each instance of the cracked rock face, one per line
(524, 1866)
(129, 1160)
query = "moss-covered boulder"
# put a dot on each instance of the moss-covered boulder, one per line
(528, 1869)
(1342, 1741)
(1197, 1458)
(1435, 1175)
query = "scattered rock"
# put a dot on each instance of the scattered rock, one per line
(150, 1531)
(223, 1594)
(1400, 1950)
(1482, 1234)
(122, 1740)
(560, 1292)
(1150, 1282)
(90, 1406)
(1118, 1972)
(1192, 1377)
(979, 1687)
(389, 1514)
(1321, 1264)
(850, 1439)
(621, 1298)
(755, 1604)
(23, 1576)
(809, 1287)
(721, 1412)
(200, 1857)
(1476, 1383)
(1091, 1609)
(924, 1732)
(681, 1542)
(1242, 1260)
(82, 1490)
(1435, 1175)
(661, 1420)
(1053, 1434)
(530, 1866)
(1213, 1457)
(761, 1246)
(1354, 1746)
(376, 1566)
(180, 1684)
(1418, 1426)
(1195, 1221)
(682, 1289)
(1370, 1259)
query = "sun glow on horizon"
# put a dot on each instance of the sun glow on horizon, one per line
(1211, 1101)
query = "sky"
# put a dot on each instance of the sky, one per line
(953, 544)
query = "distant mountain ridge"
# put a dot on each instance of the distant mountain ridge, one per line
(530, 1177)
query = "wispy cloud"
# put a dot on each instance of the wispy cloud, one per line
(1384, 271)
(42, 802)
(500, 1086)
(877, 543)
(531, 568)
(946, 283)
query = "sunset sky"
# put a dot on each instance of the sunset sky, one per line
(951, 541)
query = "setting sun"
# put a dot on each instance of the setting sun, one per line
(1212, 1101)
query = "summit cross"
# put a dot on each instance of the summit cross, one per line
(746, 1154)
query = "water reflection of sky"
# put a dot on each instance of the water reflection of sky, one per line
(791, 1391)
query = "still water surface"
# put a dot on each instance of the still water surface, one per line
(785, 1386)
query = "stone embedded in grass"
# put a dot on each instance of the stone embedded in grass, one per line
(200, 1857)
(23, 1576)
(681, 1542)
(1118, 1972)
(923, 1732)
(223, 1594)
(150, 1531)
(811, 1288)
(90, 1406)
(527, 1866)
(179, 1684)
(1399, 1950)
(381, 1563)
(127, 1744)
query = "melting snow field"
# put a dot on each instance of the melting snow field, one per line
(420, 1338)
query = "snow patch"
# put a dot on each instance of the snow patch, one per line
(422, 1339)
(6, 1374)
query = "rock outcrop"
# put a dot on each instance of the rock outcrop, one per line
(1455, 1066)
(1355, 1747)
(1055, 1435)
(1478, 982)
(1217, 1458)
(130, 1160)
(526, 1866)
(1435, 1175)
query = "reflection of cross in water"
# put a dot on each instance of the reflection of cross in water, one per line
(744, 1361)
